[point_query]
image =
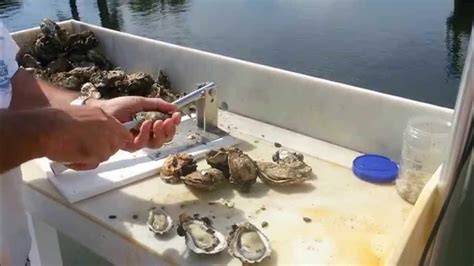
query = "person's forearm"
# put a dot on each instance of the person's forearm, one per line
(29, 93)
(21, 137)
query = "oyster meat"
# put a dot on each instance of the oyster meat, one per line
(247, 243)
(159, 222)
(207, 179)
(243, 170)
(289, 169)
(177, 165)
(200, 236)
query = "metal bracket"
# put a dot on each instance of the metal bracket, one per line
(206, 105)
(201, 129)
(206, 108)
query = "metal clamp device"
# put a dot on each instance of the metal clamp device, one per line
(206, 105)
(192, 132)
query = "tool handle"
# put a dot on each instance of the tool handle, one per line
(194, 95)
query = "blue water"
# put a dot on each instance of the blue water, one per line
(412, 49)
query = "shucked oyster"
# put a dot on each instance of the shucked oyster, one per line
(159, 222)
(200, 236)
(243, 170)
(248, 244)
(177, 165)
(289, 169)
(207, 179)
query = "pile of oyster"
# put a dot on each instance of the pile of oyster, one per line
(236, 167)
(245, 241)
(75, 61)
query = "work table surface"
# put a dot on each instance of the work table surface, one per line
(351, 221)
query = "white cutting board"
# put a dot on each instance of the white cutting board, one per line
(121, 169)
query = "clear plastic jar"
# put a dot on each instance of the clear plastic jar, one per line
(424, 143)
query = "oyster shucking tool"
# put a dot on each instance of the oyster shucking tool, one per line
(206, 109)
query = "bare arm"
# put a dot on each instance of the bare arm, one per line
(20, 141)
(29, 93)
(80, 136)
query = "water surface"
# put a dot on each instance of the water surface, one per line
(412, 49)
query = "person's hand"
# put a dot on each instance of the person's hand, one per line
(81, 137)
(152, 134)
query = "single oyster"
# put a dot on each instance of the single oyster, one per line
(88, 89)
(281, 154)
(155, 91)
(27, 60)
(164, 81)
(52, 30)
(46, 48)
(82, 41)
(98, 58)
(150, 115)
(60, 64)
(168, 96)
(289, 169)
(243, 170)
(207, 179)
(50, 42)
(218, 159)
(177, 165)
(68, 80)
(248, 244)
(200, 236)
(139, 84)
(159, 222)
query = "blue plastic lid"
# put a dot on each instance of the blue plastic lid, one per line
(375, 168)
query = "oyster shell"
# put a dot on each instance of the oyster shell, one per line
(50, 42)
(200, 236)
(150, 115)
(218, 159)
(177, 165)
(52, 30)
(281, 154)
(88, 89)
(60, 64)
(99, 59)
(139, 83)
(159, 222)
(55, 51)
(289, 169)
(68, 80)
(207, 179)
(27, 60)
(82, 41)
(243, 170)
(247, 243)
